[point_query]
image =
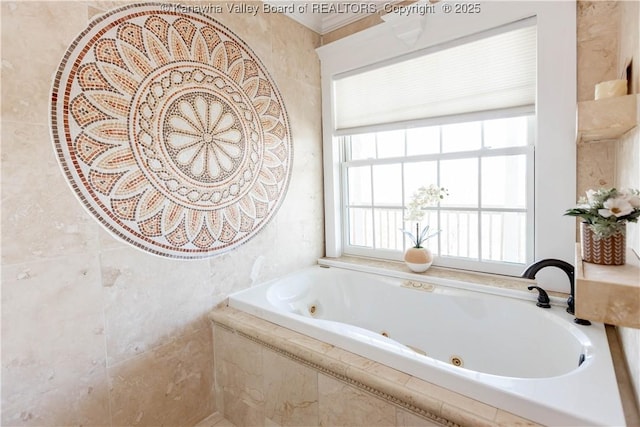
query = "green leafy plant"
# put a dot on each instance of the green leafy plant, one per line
(418, 238)
(421, 198)
(605, 210)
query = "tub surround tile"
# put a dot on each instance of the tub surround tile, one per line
(244, 413)
(397, 389)
(507, 419)
(171, 385)
(464, 418)
(387, 373)
(275, 336)
(291, 390)
(239, 378)
(450, 398)
(407, 419)
(241, 367)
(430, 403)
(215, 420)
(342, 405)
(350, 359)
(339, 361)
(311, 344)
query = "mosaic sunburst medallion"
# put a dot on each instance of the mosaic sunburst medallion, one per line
(171, 131)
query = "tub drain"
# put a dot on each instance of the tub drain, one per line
(312, 310)
(384, 334)
(456, 361)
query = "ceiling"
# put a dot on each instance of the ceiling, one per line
(326, 16)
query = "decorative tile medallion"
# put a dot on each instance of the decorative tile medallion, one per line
(170, 131)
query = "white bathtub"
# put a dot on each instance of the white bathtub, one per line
(514, 355)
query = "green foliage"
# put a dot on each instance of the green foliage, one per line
(605, 210)
(418, 238)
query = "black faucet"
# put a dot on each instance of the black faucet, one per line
(543, 297)
(532, 270)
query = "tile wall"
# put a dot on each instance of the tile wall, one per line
(598, 44)
(88, 323)
(608, 37)
(97, 333)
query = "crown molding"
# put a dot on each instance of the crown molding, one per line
(325, 22)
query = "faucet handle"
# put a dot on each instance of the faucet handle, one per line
(543, 297)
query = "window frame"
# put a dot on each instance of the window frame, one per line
(485, 265)
(555, 151)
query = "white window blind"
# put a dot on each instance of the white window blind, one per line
(493, 72)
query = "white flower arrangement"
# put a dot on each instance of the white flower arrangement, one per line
(605, 210)
(421, 198)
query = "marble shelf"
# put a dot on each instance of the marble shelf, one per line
(608, 294)
(608, 118)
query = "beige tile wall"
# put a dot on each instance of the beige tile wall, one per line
(97, 333)
(628, 175)
(630, 41)
(598, 24)
(88, 322)
(608, 37)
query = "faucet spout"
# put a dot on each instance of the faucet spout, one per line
(532, 270)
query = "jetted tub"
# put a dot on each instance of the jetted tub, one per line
(497, 347)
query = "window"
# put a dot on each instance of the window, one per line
(483, 219)
(481, 160)
(359, 149)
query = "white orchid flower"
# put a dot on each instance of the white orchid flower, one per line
(618, 206)
(590, 196)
